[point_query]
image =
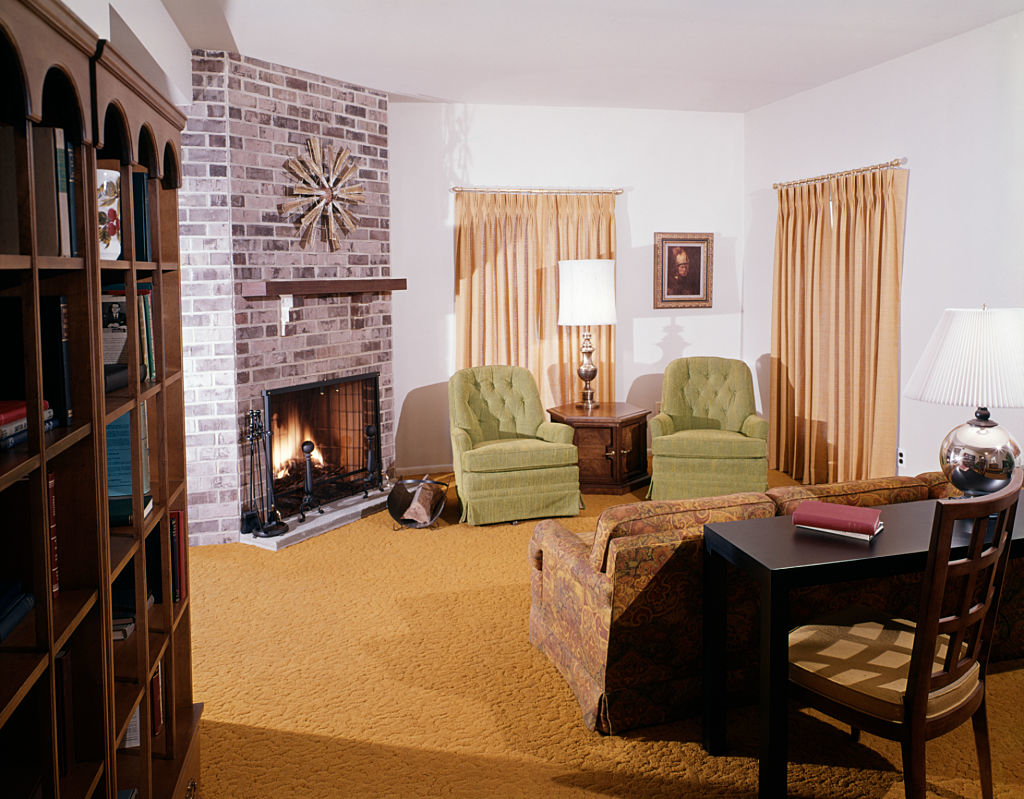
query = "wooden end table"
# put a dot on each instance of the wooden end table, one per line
(612, 444)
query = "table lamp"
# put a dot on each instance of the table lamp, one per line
(975, 357)
(586, 296)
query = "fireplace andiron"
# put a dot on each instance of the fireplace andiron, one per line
(308, 499)
(253, 517)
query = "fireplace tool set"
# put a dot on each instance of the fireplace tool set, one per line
(254, 520)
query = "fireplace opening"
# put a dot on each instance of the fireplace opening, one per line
(323, 442)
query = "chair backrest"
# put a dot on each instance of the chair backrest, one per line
(493, 402)
(960, 592)
(708, 392)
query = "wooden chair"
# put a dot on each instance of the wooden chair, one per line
(912, 682)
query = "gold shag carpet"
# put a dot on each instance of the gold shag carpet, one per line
(373, 662)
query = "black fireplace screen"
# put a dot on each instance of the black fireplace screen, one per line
(341, 419)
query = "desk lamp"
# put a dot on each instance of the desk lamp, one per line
(586, 296)
(975, 357)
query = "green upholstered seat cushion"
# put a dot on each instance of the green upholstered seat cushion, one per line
(860, 657)
(708, 444)
(517, 454)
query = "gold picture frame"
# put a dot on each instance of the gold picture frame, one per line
(683, 269)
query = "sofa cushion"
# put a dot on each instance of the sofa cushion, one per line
(707, 444)
(639, 518)
(517, 454)
(863, 493)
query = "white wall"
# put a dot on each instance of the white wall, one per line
(956, 112)
(682, 172)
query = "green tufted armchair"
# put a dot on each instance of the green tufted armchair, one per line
(510, 463)
(707, 440)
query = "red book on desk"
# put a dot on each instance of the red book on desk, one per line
(848, 520)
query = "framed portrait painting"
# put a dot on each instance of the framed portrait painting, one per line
(683, 269)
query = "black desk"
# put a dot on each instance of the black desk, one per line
(780, 557)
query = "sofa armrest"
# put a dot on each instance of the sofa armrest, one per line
(554, 547)
(755, 426)
(938, 486)
(555, 432)
(661, 424)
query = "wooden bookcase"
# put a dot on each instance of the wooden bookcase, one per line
(68, 691)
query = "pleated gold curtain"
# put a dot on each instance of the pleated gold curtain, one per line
(835, 327)
(507, 248)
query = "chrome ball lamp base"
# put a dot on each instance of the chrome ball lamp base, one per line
(978, 456)
(587, 371)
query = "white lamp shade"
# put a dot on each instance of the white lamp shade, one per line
(975, 358)
(586, 292)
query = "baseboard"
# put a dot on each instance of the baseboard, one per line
(419, 471)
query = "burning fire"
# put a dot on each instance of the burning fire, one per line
(288, 449)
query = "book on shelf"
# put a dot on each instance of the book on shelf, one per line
(73, 200)
(140, 215)
(179, 544)
(121, 510)
(123, 629)
(127, 793)
(144, 305)
(115, 329)
(60, 161)
(14, 614)
(56, 356)
(20, 424)
(115, 376)
(10, 592)
(48, 209)
(51, 511)
(65, 712)
(156, 700)
(10, 233)
(132, 738)
(844, 520)
(119, 457)
(14, 439)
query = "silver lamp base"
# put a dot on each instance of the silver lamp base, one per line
(978, 456)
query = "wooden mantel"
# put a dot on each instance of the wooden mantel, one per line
(265, 289)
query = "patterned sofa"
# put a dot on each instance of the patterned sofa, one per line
(618, 611)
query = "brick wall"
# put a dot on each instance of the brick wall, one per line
(246, 119)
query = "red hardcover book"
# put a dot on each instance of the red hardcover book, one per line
(830, 517)
(11, 410)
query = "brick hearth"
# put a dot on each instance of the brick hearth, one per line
(246, 119)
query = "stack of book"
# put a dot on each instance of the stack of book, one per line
(843, 520)
(14, 422)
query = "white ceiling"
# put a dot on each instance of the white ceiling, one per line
(697, 55)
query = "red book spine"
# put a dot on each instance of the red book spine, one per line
(51, 494)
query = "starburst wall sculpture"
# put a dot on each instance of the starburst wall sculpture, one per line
(323, 192)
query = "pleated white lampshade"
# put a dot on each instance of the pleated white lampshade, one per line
(586, 292)
(975, 357)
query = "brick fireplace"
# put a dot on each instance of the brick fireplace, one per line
(246, 119)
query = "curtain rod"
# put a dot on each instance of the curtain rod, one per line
(888, 165)
(486, 190)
